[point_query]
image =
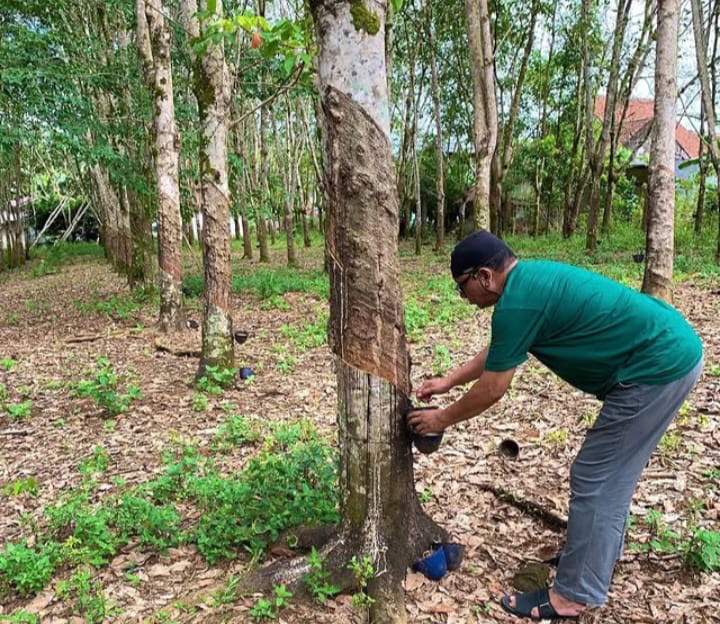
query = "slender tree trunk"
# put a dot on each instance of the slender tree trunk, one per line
(439, 157)
(484, 105)
(286, 166)
(211, 82)
(708, 101)
(262, 226)
(403, 171)
(657, 280)
(702, 182)
(504, 151)
(417, 194)
(596, 157)
(154, 45)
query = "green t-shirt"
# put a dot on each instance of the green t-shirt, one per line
(591, 331)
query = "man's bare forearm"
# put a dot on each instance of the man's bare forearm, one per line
(470, 371)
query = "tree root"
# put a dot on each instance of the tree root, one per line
(336, 548)
(550, 518)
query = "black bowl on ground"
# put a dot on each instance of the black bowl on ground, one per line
(241, 336)
(509, 448)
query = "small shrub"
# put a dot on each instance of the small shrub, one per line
(155, 526)
(28, 485)
(234, 431)
(103, 389)
(318, 579)
(19, 411)
(270, 609)
(87, 597)
(290, 482)
(363, 570)
(7, 363)
(215, 379)
(27, 569)
(97, 462)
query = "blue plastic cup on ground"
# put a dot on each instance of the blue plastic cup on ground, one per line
(433, 566)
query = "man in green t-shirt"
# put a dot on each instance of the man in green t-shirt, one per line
(635, 353)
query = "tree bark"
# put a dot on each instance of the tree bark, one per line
(657, 280)
(439, 157)
(380, 514)
(211, 82)
(596, 156)
(708, 104)
(504, 151)
(154, 45)
(484, 105)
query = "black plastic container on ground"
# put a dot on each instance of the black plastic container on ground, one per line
(245, 373)
(241, 336)
(509, 448)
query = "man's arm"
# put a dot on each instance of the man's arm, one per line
(469, 371)
(486, 391)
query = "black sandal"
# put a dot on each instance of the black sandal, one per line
(525, 603)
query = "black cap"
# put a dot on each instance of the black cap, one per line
(476, 250)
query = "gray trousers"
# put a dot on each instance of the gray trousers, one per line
(603, 477)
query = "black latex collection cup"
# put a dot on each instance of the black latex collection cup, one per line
(426, 443)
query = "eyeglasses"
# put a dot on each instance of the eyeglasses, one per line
(459, 286)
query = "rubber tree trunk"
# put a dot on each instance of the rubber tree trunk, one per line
(262, 223)
(211, 82)
(657, 280)
(154, 45)
(437, 116)
(484, 105)
(708, 107)
(381, 517)
(596, 156)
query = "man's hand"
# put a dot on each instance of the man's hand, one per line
(430, 387)
(428, 421)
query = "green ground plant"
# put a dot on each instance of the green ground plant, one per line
(318, 579)
(270, 609)
(52, 258)
(7, 363)
(309, 336)
(97, 462)
(234, 431)
(441, 360)
(19, 411)
(363, 570)
(27, 569)
(228, 593)
(20, 617)
(290, 482)
(104, 388)
(216, 379)
(28, 485)
(698, 547)
(86, 596)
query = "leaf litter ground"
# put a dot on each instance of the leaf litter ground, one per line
(50, 326)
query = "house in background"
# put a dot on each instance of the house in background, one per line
(635, 131)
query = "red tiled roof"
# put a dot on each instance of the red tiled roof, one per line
(639, 113)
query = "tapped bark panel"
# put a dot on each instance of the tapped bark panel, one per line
(367, 327)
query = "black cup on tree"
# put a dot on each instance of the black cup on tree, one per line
(426, 443)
